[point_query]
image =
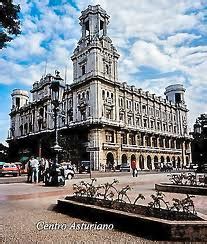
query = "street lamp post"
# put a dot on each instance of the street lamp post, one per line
(57, 88)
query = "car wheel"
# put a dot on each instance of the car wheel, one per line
(69, 176)
(15, 175)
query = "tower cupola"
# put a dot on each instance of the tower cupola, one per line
(95, 55)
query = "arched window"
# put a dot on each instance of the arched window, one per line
(124, 159)
(141, 162)
(149, 162)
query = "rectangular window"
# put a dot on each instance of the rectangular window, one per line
(130, 120)
(18, 102)
(121, 117)
(83, 70)
(131, 139)
(152, 124)
(110, 136)
(123, 138)
(145, 123)
(177, 97)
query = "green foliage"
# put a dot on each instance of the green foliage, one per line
(9, 21)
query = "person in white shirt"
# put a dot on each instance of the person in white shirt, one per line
(34, 163)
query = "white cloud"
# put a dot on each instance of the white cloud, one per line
(153, 33)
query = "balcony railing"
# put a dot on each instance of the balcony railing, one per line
(110, 145)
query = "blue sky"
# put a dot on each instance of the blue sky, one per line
(161, 42)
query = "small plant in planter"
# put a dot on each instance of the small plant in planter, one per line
(108, 196)
(192, 179)
(178, 179)
(86, 189)
(109, 190)
(157, 201)
(183, 179)
(185, 205)
(140, 196)
(122, 195)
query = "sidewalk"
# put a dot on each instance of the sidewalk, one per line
(94, 174)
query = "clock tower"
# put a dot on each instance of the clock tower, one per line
(95, 55)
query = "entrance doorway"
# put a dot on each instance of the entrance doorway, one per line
(141, 162)
(109, 160)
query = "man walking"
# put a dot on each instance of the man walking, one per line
(29, 171)
(134, 168)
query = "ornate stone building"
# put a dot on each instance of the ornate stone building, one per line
(101, 119)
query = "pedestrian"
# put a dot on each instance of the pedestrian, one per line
(35, 168)
(29, 171)
(41, 169)
(134, 168)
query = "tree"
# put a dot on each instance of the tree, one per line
(3, 153)
(9, 21)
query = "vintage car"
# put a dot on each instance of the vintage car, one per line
(85, 167)
(9, 169)
(69, 171)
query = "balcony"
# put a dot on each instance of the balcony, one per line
(110, 145)
(129, 147)
(150, 149)
(109, 101)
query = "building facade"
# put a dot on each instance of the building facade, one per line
(100, 118)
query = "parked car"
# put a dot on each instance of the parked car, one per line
(169, 166)
(69, 171)
(117, 167)
(9, 169)
(1, 165)
(194, 166)
(84, 167)
(124, 168)
(166, 167)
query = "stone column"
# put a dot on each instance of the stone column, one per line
(183, 159)
(143, 136)
(164, 142)
(152, 161)
(95, 142)
(127, 136)
(158, 142)
(190, 155)
(118, 142)
(145, 164)
(136, 139)
(150, 140)
(174, 143)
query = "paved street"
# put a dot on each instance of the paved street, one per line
(22, 205)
